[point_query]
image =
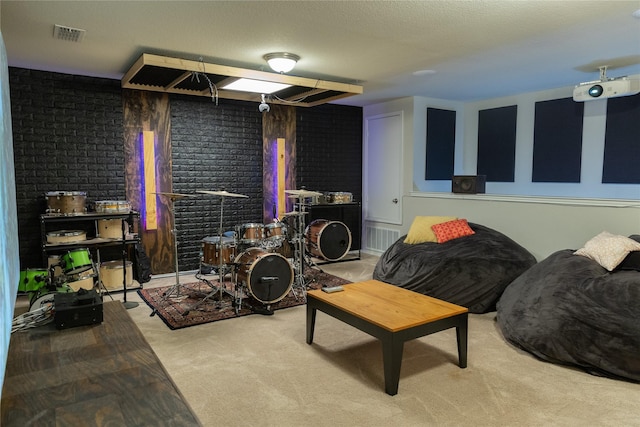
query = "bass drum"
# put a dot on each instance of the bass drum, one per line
(32, 280)
(330, 240)
(268, 276)
(44, 298)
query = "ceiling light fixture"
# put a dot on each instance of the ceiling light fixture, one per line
(281, 62)
(255, 86)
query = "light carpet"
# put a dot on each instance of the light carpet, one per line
(259, 371)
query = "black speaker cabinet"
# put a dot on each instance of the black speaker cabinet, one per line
(469, 184)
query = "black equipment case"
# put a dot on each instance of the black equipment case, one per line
(77, 308)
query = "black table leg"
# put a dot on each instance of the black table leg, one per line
(392, 348)
(461, 334)
(311, 322)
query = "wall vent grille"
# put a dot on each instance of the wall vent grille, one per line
(69, 34)
(379, 239)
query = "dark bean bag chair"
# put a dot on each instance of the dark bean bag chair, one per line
(568, 309)
(471, 271)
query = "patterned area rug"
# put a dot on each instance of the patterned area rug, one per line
(192, 307)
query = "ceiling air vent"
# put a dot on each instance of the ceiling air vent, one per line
(69, 34)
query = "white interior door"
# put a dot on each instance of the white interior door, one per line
(382, 168)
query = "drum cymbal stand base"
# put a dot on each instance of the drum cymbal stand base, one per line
(216, 290)
(300, 284)
(102, 289)
(240, 296)
(174, 290)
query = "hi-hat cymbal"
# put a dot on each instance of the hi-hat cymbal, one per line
(175, 195)
(222, 193)
(303, 193)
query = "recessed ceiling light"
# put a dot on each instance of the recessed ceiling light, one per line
(424, 72)
(256, 86)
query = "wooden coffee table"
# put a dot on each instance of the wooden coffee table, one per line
(391, 314)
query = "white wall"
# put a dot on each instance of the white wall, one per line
(541, 225)
(543, 217)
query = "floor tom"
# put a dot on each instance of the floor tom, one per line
(112, 274)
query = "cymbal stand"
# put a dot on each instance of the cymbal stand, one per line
(299, 288)
(102, 289)
(174, 289)
(222, 269)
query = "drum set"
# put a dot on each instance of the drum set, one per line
(68, 272)
(263, 263)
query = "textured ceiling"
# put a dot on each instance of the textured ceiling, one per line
(477, 49)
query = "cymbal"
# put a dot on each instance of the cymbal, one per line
(303, 193)
(222, 193)
(175, 195)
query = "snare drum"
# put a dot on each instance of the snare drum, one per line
(251, 233)
(339, 197)
(76, 261)
(113, 206)
(112, 228)
(32, 280)
(82, 281)
(66, 202)
(66, 236)
(111, 274)
(214, 254)
(268, 276)
(326, 239)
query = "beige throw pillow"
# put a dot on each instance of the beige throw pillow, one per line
(608, 249)
(421, 231)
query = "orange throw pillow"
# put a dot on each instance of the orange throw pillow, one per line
(452, 230)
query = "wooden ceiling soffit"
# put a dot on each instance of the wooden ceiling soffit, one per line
(173, 75)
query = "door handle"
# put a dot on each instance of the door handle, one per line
(395, 201)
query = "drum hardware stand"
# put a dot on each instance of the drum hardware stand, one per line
(174, 289)
(127, 304)
(299, 288)
(215, 290)
(102, 289)
(239, 295)
(221, 266)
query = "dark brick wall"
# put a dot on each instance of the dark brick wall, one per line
(68, 136)
(214, 148)
(329, 144)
